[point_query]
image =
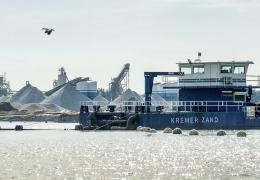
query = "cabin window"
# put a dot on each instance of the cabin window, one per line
(199, 69)
(226, 69)
(239, 70)
(186, 70)
(240, 96)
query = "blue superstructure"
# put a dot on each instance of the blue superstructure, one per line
(212, 95)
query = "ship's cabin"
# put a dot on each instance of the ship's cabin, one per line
(213, 81)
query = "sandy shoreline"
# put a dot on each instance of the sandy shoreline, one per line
(43, 117)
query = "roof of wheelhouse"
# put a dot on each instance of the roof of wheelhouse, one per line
(215, 62)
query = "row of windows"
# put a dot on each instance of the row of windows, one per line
(224, 69)
(235, 70)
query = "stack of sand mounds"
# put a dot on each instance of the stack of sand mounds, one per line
(67, 97)
(28, 94)
(100, 100)
(43, 108)
(128, 95)
(4, 98)
(6, 106)
(157, 99)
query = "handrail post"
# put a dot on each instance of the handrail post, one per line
(226, 107)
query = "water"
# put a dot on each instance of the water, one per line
(59, 154)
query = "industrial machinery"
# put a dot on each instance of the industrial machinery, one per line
(4, 86)
(62, 78)
(149, 78)
(120, 83)
(73, 82)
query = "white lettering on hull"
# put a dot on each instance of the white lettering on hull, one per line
(194, 120)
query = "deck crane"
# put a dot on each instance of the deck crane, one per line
(149, 77)
(120, 83)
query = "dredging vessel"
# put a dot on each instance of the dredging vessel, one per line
(212, 95)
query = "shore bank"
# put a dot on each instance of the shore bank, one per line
(53, 117)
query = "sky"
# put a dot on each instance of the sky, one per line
(96, 38)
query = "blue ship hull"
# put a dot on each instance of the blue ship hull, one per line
(206, 120)
(183, 120)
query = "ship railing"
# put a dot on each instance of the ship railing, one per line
(208, 106)
(222, 82)
(172, 106)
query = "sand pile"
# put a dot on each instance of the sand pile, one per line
(4, 98)
(100, 100)
(44, 108)
(158, 100)
(128, 95)
(28, 94)
(67, 97)
(6, 106)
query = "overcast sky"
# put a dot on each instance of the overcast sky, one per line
(95, 38)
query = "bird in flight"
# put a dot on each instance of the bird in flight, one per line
(48, 30)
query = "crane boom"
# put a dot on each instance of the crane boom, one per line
(116, 87)
(149, 77)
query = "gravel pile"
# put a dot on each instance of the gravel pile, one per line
(4, 98)
(6, 106)
(100, 100)
(128, 95)
(67, 97)
(28, 94)
(44, 108)
(158, 100)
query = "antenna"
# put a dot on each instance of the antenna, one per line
(199, 55)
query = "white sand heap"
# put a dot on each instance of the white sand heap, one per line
(67, 97)
(100, 100)
(156, 98)
(28, 94)
(4, 98)
(128, 95)
(44, 108)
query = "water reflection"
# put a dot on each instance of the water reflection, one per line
(62, 154)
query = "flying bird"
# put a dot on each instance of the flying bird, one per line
(48, 30)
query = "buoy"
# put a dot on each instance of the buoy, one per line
(167, 130)
(241, 134)
(221, 133)
(153, 131)
(194, 132)
(148, 134)
(139, 128)
(177, 131)
(146, 129)
(78, 127)
(18, 128)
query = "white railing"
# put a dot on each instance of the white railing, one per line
(171, 106)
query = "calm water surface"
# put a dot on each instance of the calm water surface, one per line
(59, 154)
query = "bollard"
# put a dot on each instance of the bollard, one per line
(18, 128)
(167, 130)
(221, 133)
(194, 132)
(177, 131)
